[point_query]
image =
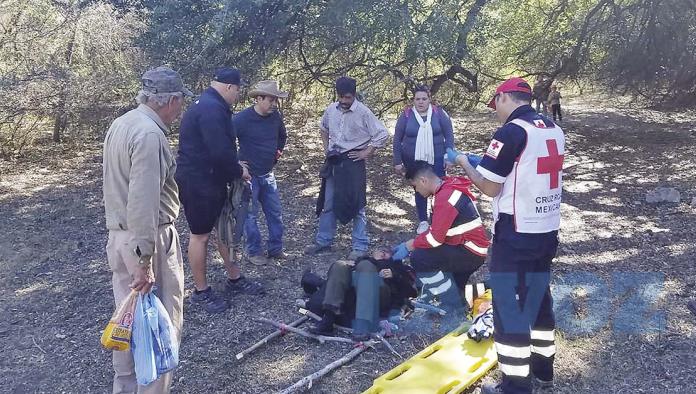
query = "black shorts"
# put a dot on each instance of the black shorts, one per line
(202, 206)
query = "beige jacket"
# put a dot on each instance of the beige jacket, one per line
(140, 193)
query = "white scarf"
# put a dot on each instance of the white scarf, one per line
(425, 150)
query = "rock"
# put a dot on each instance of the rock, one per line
(692, 306)
(663, 194)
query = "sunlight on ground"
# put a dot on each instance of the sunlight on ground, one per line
(581, 187)
(677, 249)
(311, 191)
(610, 201)
(289, 367)
(601, 258)
(388, 209)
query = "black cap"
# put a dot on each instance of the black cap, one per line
(228, 75)
(345, 85)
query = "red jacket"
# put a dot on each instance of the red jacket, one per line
(455, 219)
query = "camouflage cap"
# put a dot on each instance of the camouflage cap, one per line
(164, 80)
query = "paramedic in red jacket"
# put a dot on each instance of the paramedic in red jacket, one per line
(455, 244)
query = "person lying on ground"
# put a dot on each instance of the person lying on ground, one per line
(359, 292)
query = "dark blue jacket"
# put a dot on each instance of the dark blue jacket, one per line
(207, 157)
(406, 133)
(260, 137)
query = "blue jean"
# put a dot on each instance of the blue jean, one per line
(327, 223)
(422, 202)
(264, 192)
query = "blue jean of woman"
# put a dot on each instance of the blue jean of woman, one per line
(264, 193)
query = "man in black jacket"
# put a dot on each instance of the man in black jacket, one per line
(358, 292)
(207, 161)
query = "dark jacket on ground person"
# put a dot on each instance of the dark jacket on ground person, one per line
(260, 137)
(406, 134)
(401, 287)
(207, 156)
(350, 186)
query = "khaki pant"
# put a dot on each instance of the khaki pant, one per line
(167, 265)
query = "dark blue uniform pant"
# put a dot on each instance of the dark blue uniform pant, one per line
(437, 267)
(522, 304)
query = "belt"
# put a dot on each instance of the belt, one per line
(125, 228)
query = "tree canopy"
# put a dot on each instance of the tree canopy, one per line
(68, 66)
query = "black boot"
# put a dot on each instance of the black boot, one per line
(326, 325)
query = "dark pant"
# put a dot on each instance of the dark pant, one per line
(540, 104)
(358, 291)
(556, 109)
(522, 304)
(445, 270)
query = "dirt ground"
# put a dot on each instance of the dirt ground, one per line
(55, 291)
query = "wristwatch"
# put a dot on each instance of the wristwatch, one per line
(142, 259)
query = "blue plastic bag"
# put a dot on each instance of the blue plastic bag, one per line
(155, 350)
(165, 345)
(142, 340)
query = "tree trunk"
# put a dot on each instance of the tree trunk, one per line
(61, 118)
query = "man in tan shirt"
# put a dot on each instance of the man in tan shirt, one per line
(141, 202)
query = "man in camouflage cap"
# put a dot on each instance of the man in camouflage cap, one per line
(141, 201)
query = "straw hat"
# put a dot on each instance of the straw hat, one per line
(267, 88)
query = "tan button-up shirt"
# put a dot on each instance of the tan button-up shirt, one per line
(356, 128)
(140, 193)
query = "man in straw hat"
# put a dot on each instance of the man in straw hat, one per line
(261, 135)
(141, 202)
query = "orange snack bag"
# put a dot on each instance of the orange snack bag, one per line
(117, 334)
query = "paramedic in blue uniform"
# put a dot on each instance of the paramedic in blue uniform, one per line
(522, 171)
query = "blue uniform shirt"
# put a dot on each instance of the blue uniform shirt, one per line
(513, 139)
(207, 147)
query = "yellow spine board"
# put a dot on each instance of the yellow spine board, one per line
(448, 366)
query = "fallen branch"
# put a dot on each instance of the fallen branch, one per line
(320, 338)
(269, 337)
(347, 330)
(37, 345)
(307, 381)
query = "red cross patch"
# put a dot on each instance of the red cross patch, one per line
(494, 148)
(539, 123)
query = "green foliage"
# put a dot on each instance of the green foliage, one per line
(74, 65)
(69, 65)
